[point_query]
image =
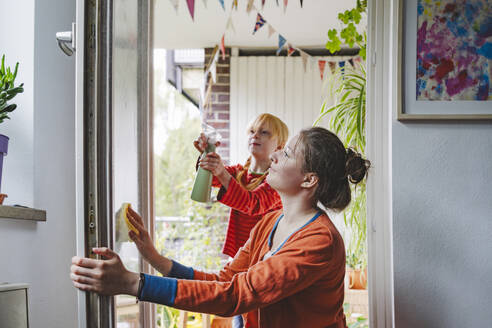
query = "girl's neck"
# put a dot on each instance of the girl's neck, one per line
(259, 165)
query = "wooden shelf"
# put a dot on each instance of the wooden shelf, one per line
(22, 213)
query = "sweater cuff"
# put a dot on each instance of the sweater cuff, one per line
(160, 290)
(181, 271)
(228, 196)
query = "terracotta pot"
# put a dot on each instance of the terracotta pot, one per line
(357, 279)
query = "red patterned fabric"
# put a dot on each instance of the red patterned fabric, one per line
(247, 207)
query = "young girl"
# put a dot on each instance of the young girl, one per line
(290, 272)
(253, 196)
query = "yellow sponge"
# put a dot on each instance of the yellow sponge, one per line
(123, 215)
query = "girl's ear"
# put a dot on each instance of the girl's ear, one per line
(310, 180)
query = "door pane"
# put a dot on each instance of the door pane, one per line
(125, 144)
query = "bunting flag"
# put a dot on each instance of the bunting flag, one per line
(213, 71)
(229, 25)
(305, 58)
(321, 64)
(332, 67)
(205, 3)
(351, 62)
(341, 64)
(222, 4)
(285, 5)
(290, 50)
(357, 59)
(271, 30)
(175, 4)
(301, 3)
(281, 42)
(222, 47)
(277, 3)
(249, 7)
(213, 59)
(260, 21)
(191, 8)
(263, 4)
(234, 4)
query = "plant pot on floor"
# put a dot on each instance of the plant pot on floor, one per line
(4, 145)
(357, 279)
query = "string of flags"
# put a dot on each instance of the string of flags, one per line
(219, 50)
(191, 5)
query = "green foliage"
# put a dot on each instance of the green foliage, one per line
(349, 33)
(347, 119)
(360, 321)
(8, 90)
(196, 237)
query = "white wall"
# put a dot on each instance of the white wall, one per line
(31, 252)
(442, 221)
(18, 24)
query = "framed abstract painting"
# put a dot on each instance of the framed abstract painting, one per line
(445, 58)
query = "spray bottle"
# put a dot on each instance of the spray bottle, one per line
(203, 180)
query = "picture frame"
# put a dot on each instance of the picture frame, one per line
(408, 107)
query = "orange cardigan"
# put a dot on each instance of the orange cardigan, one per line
(301, 285)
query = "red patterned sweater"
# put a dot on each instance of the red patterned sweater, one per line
(247, 207)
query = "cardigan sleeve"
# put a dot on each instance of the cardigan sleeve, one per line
(292, 269)
(259, 201)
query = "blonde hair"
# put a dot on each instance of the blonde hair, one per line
(279, 130)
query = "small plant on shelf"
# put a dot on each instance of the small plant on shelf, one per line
(8, 90)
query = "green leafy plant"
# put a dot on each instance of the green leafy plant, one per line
(8, 90)
(347, 88)
(351, 32)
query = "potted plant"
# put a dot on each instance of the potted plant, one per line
(8, 91)
(347, 87)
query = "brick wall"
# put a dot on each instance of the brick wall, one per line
(217, 115)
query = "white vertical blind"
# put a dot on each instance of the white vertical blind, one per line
(275, 85)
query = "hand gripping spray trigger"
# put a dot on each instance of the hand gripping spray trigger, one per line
(203, 180)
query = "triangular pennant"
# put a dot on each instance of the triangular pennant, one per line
(351, 62)
(290, 50)
(234, 4)
(222, 4)
(191, 8)
(205, 3)
(301, 3)
(286, 2)
(332, 67)
(175, 4)
(271, 30)
(281, 42)
(229, 25)
(277, 3)
(222, 47)
(341, 64)
(321, 64)
(260, 21)
(304, 57)
(249, 7)
(213, 71)
(358, 59)
(263, 4)
(213, 59)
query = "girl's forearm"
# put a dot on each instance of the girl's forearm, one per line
(224, 179)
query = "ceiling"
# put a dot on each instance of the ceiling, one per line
(306, 27)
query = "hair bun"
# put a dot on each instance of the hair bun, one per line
(356, 167)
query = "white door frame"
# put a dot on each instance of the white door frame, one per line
(382, 63)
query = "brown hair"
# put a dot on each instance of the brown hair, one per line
(335, 166)
(279, 131)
